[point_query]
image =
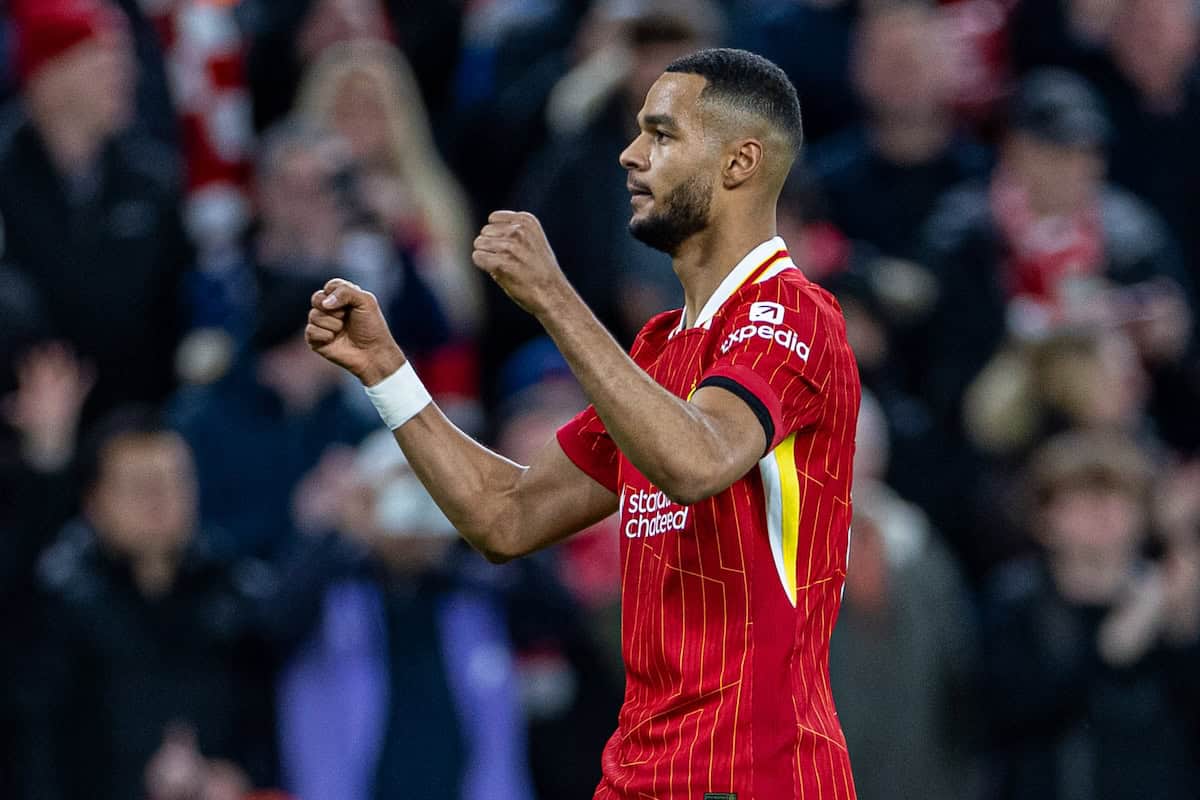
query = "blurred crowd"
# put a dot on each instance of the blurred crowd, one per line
(218, 577)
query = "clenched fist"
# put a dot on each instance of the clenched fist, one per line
(513, 250)
(346, 327)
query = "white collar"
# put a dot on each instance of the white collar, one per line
(749, 264)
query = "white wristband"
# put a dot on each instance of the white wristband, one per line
(399, 397)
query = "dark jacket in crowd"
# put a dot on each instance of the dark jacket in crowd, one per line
(886, 204)
(251, 453)
(114, 668)
(1069, 726)
(1150, 156)
(105, 252)
(902, 679)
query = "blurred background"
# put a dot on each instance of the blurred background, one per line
(219, 579)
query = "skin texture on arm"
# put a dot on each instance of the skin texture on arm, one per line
(501, 508)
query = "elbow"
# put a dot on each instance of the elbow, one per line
(498, 552)
(492, 541)
(689, 487)
(692, 480)
(686, 495)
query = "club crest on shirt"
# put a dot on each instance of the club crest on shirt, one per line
(650, 513)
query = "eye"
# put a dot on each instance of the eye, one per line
(660, 137)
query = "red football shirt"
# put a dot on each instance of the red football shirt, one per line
(728, 604)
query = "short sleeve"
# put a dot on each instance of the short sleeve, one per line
(772, 352)
(587, 444)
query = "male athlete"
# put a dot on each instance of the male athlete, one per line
(724, 440)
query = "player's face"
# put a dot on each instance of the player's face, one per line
(671, 165)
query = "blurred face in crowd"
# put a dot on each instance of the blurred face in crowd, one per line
(360, 118)
(332, 21)
(672, 164)
(1155, 43)
(650, 59)
(299, 202)
(94, 82)
(1092, 533)
(297, 375)
(1060, 179)
(144, 500)
(902, 64)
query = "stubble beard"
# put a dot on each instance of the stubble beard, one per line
(686, 214)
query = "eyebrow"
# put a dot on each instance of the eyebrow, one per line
(659, 121)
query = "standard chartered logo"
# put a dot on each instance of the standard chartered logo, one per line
(651, 513)
(768, 315)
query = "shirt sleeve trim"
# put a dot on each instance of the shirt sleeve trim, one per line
(755, 392)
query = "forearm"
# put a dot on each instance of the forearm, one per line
(668, 439)
(475, 487)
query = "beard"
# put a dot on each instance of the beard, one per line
(685, 213)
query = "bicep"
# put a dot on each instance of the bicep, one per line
(556, 498)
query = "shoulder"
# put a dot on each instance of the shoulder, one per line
(792, 291)
(962, 211)
(655, 332)
(16, 136)
(973, 158)
(1132, 230)
(1013, 587)
(149, 162)
(838, 155)
(66, 571)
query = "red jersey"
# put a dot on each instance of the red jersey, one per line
(728, 604)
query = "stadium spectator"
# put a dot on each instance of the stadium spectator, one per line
(365, 92)
(452, 722)
(142, 628)
(1044, 244)
(1063, 33)
(622, 280)
(260, 433)
(821, 69)
(903, 657)
(883, 178)
(285, 38)
(89, 208)
(40, 405)
(1154, 98)
(1092, 652)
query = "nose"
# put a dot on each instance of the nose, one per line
(634, 157)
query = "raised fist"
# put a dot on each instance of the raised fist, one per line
(346, 327)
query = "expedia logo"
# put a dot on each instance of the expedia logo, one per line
(770, 313)
(767, 315)
(652, 513)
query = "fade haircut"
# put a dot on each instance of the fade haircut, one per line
(744, 82)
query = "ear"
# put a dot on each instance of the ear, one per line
(742, 161)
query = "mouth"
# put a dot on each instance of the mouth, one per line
(637, 190)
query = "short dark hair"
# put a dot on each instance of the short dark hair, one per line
(125, 421)
(747, 82)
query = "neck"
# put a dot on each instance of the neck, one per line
(72, 147)
(704, 260)
(911, 140)
(155, 574)
(1164, 98)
